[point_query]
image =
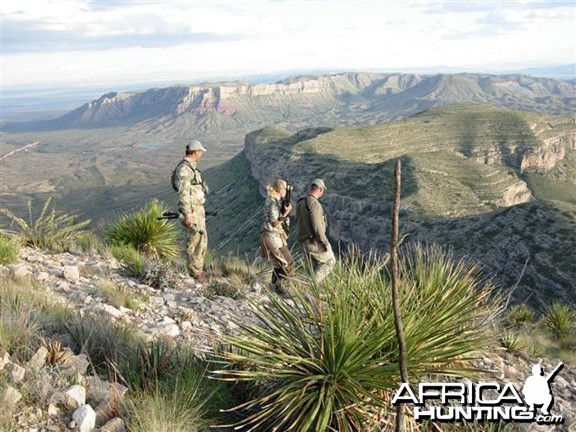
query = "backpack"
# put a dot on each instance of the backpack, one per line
(174, 179)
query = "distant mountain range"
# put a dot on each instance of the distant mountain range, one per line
(352, 98)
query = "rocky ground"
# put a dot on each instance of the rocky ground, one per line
(75, 400)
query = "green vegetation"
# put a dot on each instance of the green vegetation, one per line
(552, 335)
(51, 230)
(142, 230)
(324, 364)
(560, 319)
(8, 249)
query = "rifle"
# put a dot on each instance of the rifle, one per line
(194, 227)
(174, 215)
(555, 371)
(285, 202)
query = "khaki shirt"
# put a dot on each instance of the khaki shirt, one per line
(311, 220)
(191, 191)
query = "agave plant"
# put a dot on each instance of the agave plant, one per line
(328, 360)
(144, 232)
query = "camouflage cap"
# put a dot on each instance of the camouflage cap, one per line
(194, 145)
(319, 183)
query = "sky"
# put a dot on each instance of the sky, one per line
(50, 43)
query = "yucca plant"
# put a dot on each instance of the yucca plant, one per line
(560, 319)
(520, 315)
(144, 232)
(512, 341)
(52, 230)
(327, 360)
(148, 364)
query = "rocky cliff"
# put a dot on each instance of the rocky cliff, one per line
(347, 98)
(475, 203)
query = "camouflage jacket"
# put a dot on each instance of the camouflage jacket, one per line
(191, 188)
(272, 213)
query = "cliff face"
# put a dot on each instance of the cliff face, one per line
(478, 205)
(347, 98)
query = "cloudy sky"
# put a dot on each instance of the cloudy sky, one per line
(107, 42)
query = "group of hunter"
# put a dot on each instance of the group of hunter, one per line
(310, 221)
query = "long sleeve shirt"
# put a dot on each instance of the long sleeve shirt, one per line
(272, 214)
(191, 191)
(311, 220)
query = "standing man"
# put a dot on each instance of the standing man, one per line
(312, 231)
(192, 193)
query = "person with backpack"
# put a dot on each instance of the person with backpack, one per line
(192, 191)
(311, 235)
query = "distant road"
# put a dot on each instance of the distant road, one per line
(26, 147)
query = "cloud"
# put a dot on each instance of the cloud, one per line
(112, 41)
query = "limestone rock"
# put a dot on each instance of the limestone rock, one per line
(85, 417)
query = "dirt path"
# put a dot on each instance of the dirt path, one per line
(26, 147)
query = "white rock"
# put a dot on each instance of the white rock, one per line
(20, 271)
(38, 360)
(85, 417)
(186, 325)
(171, 330)
(4, 360)
(71, 273)
(10, 397)
(110, 310)
(15, 373)
(78, 394)
(53, 411)
(156, 301)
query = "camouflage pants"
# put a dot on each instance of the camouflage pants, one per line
(321, 261)
(196, 242)
(275, 248)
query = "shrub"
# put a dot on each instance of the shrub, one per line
(106, 343)
(119, 296)
(560, 319)
(129, 257)
(51, 230)
(88, 242)
(8, 250)
(27, 313)
(148, 364)
(144, 232)
(180, 410)
(327, 365)
(521, 314)
(224, 288)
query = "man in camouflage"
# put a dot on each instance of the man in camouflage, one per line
(312, 231)
(192, 193)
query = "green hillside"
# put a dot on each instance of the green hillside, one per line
(473, 180)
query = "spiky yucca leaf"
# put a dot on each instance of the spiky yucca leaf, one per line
(323, 361)
(51, 230)
(143, 231)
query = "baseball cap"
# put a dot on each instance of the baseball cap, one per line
(319, 183)
(194, 145)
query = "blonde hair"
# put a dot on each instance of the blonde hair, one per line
(273, 190)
